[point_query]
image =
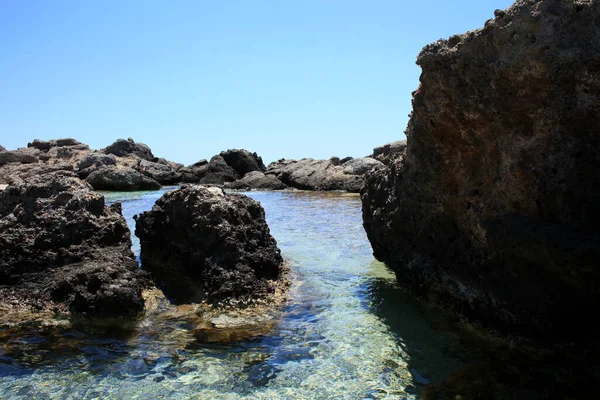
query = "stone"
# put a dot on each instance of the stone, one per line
(17, 156)
(257, 180)
(242, 161)
(162, 173)
(360, 166)
(388, 152)
(492, 211)
(94, 161)
(61, 246)
(2, 148)
(125, 148)
(201, 244)
(121, 179)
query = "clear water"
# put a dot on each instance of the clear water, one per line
(347, 332)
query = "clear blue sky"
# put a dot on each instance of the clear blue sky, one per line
(292, 79)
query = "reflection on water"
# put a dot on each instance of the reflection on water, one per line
(347, 332)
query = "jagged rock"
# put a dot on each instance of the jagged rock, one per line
(17, 156)
(2, 148)
(45, 145)
(257, 180)
(163, 174)
(21, 173)
(121, 179)
(198, 164)
(360, 166)
(242, 161)
(389, 152)
(68, 142)
(124, 148)
(94, 161)
(215, 172)
(174, 166)
(201, 244)
(310, 174)
(60, 244)
(493, 209)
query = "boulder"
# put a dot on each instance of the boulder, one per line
(360, 166)
(60, 246)
(162, 173)
(257, 180)
(201, 244)
(493, 209)
(2, 148)
(217, 171)
(388, 152)
(17, 156)
(93, 162)
(121, 179)
(242, 161)
(310, 174)
(125, 148)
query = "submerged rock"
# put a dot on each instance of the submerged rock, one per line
(201, 244)
(310, 174)
(493, 209)
(60, 244)
(121, 179)
(124, 148)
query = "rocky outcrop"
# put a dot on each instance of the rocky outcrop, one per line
(493, 209)
(388, 152)
(124, 148)
(121, 179)
(2, 148)
(201, 244)
(162, 173)
(242, 161)
(257, 180)
(93, 162)
(17, 156)
(310, 174)
(60, 246)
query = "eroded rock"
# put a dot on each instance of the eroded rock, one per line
(120, 179)
(493, 209)
(124, 148)
(257, 180)
(201, 244)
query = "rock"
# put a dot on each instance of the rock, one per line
(217, 171)
(124, 148)
(257, 180)
(198, 164)
(2, 148)
(310, 174)
(21, 173)
(201, 244)
(121, 179)
(493, 209)
(42, 145)
(163, 174)
(242, 161)
(68, 142)
(93, 162)
(60, 244)
(389, 152)
(174, 166)
(17, 156)
(360, 166)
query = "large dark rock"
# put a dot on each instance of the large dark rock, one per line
(121, 179)
(257, 180)
(45, 145)
(493, 209)
(162, 173)
(93, 162)
(388, 152)
(124, 148)
(201, 244)
(242, 161)
(310, 174)
(2, 148)
(17, 156)
(60, 244)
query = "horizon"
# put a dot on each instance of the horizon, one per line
(293, 80)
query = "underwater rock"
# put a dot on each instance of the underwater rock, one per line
(493, 209)
(201, 244)
(121, 179)
(60, 245)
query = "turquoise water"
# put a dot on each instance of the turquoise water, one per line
(347, 332)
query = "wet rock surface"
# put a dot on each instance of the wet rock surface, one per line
(492, 211)
(61, 247)
(201, 244)
(121, 179)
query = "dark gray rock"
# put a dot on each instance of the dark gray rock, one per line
(2, 148)
(60, 244)
(162, 173)
(493, 209)
(121, 179)
(257, 180)
(124, 148)
(17, 156)
(242, 161)
(201, 244)
(388, 152)
(93, 162)
(360, 166)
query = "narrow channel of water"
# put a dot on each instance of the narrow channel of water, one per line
(347, 332)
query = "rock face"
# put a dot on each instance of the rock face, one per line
(242, 161)
(94, 162)
(59, 243)
(388, 152)
(17, 156)
(493, 209)
(121, 179)
(310, 174)
(257, 180)
(124, 148)
(201, 244)
(2, 148)
(162, 173)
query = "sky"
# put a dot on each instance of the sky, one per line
(191, 78)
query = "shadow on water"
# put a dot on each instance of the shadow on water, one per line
(467, 364)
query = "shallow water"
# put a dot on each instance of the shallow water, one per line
(347, 332)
